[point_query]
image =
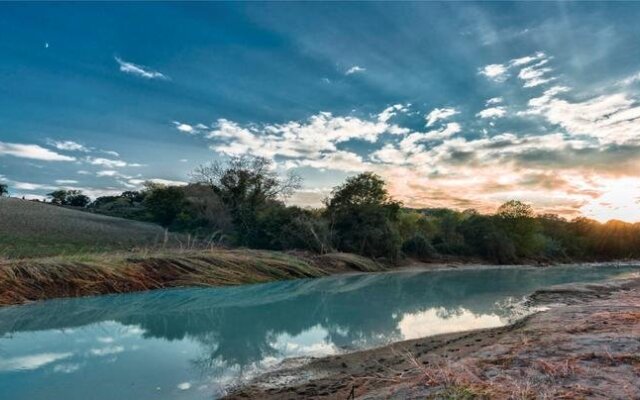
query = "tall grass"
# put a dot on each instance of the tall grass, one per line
(25, 280)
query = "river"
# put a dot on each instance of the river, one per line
(194, 343)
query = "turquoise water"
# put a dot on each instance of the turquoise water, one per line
(194, 343)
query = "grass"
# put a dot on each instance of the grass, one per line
(26, 280)
(48, 251)
(32, 229)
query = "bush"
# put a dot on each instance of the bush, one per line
(418, 247)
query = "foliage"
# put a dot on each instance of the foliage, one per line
(246, 186)
(73, 198)
(418, 247)
(165, 204)
(241, 203)
(4, 190)
(363, 217)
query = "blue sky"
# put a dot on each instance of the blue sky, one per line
(463, 105)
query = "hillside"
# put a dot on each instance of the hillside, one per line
(36, 229)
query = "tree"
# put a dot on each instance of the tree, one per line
(363, 216)
(164, 203)
(74, 198)
(77, 199)
(58, 197)
(4, 190)
(246, 185)
(517, 220)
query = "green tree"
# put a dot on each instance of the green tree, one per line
(246, 186)
(4, 190)
(74, 198)
(164, 203)
(517, 221)
(363, 217)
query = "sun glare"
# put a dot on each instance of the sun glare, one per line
(620, 200)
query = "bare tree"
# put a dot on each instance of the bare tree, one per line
(246, 177)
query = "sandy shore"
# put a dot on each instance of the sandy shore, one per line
(586, 345)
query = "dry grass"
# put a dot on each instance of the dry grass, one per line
(26, 280)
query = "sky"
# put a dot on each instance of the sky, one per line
(461, 105)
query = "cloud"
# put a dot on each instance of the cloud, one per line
(32, 151)
(311, 140)
(611, 118)
(107, 172)
(139, 70)
(391, 111)
(494, 72)
(67, 145)
(438, 114)
(106, 351)
(494, 100)
(31, 362)
(532, 75)
(159, 181)
(354, 70)
(111, 163)
(630, 80)
(66, 181)
(535, 75)
(492, 112)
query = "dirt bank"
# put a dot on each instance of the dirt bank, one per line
(27, 280)
(585, 348)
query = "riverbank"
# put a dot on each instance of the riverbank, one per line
(33, 279)
(27, 280)
(584, 346)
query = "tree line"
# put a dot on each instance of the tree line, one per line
(243, 202)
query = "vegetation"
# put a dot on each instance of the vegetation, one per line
(241, 203)
(4, 190)
(71, 276)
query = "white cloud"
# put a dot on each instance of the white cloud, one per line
(494, 72)
(107, 172)
(184, 386)
(139, 70)
(310, 139)
(68, 145)
(516, 62)
(391, 111)
(532, 75)
(492, 112)
(438, 114)
(612, 118)
(159, 181)
(32, 151)
(66, 368)
(106, 351)
(27, 363)
(111, 163)
(66, 181)
(494, 100)
(354, 70)
(535, 75)
(630, 80)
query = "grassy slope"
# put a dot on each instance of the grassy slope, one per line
(48, 251)
(27, 280)
(29, 229)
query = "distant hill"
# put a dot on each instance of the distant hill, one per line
(30, 228)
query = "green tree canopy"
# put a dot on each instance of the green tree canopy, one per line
(363, 216)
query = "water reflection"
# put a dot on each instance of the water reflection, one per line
(191, 343)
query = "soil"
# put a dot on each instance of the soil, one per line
(586, 344)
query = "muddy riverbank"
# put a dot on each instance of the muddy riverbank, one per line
(585, 345)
